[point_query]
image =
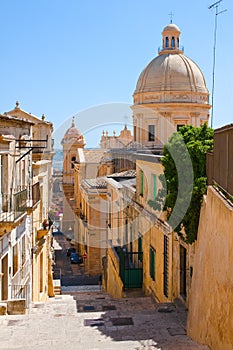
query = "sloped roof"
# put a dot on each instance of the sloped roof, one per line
(93, 155)
(20, 114)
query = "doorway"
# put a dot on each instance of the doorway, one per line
(5, 277)
(183, 282)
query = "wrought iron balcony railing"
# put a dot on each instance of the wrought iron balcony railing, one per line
(12, 206)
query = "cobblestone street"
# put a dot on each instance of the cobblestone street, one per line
(95, 321)
(85, 318)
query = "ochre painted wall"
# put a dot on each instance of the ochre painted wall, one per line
(114, 282)
(210, 318)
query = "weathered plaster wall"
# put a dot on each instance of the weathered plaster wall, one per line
(210, 318)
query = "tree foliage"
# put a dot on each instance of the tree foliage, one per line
(180, 192)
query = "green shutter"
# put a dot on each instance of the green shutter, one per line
(142, 183)
(165, 264)
(152, 263)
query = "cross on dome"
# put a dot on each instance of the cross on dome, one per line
(171, 14)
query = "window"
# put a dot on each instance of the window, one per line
(73, 159)
(173, 41)
(154, 184)
(152, 263)
(23, 250)
(178, 126)
(183, 283)
(15, 259)
(167, 42)
(141, 183)
(151, 133)
(134, 132)
(139, 247)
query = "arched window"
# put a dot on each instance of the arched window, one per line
(178, 42)
(73, 159)
(167, 42)
(173, 41)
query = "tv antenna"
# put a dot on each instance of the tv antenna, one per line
(217, 12)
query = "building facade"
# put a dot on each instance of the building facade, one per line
(124, 140)
(26, 167)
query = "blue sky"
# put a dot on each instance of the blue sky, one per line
(62, 57)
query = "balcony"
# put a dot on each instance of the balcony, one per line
(12, 209)
(171, 48)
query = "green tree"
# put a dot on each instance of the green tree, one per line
(198, 141)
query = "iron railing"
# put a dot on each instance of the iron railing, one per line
(21, 292)
(219, 163)
(13, 206)
(130, 267)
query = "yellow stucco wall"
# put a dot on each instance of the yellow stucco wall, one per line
(210, 318)
(152, 236)
(114, 282)
(155, 239)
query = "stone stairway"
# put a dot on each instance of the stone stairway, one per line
(60, 305)
(96, 321)
(57, 286)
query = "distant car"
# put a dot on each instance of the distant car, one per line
(70, 250)
(76, 259)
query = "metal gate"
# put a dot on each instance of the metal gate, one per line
(131, 270)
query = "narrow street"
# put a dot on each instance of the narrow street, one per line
(71, 274)
(95, 321)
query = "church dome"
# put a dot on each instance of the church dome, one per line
(171, 71)
(171, 27)
(73, 135)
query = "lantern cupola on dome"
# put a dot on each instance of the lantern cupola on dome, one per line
(171, 40)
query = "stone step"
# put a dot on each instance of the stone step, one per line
(133, 293)
(57, 286)
(62, 298)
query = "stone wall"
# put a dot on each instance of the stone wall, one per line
(211, 301)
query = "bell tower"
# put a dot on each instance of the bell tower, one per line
(72, 140)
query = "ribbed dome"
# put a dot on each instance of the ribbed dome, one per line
(73, 135)
(73, 131)
(171, 72)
